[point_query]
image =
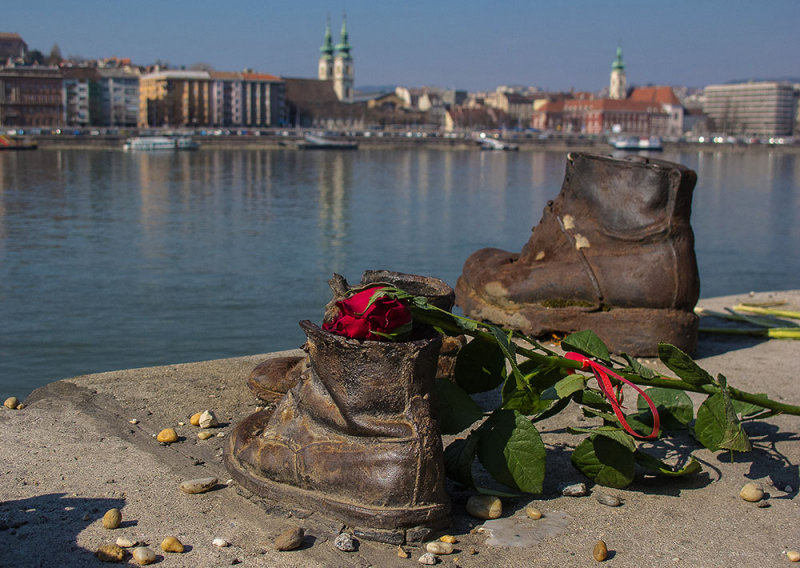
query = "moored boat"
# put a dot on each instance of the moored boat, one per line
(10, 143)
(160, 143)
(313, 142)
(653, 143)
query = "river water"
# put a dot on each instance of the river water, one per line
(112, 260)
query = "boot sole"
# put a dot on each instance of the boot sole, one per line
(365, 519)
(635, 331)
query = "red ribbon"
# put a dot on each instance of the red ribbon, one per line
(601, 373)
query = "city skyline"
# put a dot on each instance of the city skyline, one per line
(554, 46)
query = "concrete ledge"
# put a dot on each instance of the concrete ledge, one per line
(72, 454)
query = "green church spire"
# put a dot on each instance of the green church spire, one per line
(343, 47)
(618, 64)
(327, 45)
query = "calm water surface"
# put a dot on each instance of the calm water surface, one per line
(110, 260)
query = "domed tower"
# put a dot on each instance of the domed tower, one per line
(326, 55)
(618, 89)
(343, 73)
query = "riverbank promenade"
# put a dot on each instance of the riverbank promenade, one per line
(84, 445)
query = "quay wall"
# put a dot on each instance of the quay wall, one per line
(250, 142)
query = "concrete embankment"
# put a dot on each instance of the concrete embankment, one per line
(84, 445)
(525, 143)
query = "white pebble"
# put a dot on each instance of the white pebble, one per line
(429, 559)
(344, 542)
(133, 421)
(208, 419)
(788, 489)
(220, 542)
(123, 542)
(575, 490)
(438, 547)
(143, 555)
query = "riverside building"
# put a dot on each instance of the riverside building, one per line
(752, 109)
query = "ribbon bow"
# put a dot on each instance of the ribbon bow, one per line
(601, 373)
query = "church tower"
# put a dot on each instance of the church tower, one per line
(343, 74)
(326, 56)
(618, 89)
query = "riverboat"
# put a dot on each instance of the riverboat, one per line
(9, 143)
(312, 142)
(492, 144)
(652, 143)
(160, 143)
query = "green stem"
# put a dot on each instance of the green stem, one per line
(449, 323)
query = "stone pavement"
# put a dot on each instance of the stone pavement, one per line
(72, 453)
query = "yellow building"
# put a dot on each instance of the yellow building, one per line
(174, 98)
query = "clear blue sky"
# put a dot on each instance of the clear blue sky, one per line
(464, 44)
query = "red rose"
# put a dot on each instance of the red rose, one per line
(357, 319)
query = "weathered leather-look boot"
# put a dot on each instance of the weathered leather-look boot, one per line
(355, 439)
(270, 379)
(613, 253)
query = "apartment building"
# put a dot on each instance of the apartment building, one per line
(79, 91)
(31, 96)
(117, 91)
(201, 98)
(751, 109)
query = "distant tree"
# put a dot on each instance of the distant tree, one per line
(55, 55)
(201, 67)
(35, 57)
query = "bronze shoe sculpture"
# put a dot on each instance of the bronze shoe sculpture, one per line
(355, 439)
(613, 253)
(270, 379)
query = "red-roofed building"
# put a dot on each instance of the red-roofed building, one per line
(654, 111)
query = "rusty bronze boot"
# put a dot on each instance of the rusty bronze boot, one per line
(613, 253)
(271, 378)
(355, 439)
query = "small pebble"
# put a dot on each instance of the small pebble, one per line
(208, 420)
(437, 547)
(171, 544)
(575, 490)
(112, 519)
(20, 406)
(133, 421)
(401, 553)
(143, 555)
(752, 492)
(533, 512)
(126, 542)
(600, 551)
(200, 485)
(344, 542)
(484, 506)
(220, 434)
(181, 423)
(167, 436)
(793, 555)
(448, 538)
(204, 435)
(220, 542)
(608, 500)
(11, 402)
(195, 419)
(763, 504)
(472, 550)
(429, 559)
(259, 408)
(110, 553)
(788, 489)
(289, 539)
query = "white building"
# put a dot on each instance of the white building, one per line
(753, 109)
